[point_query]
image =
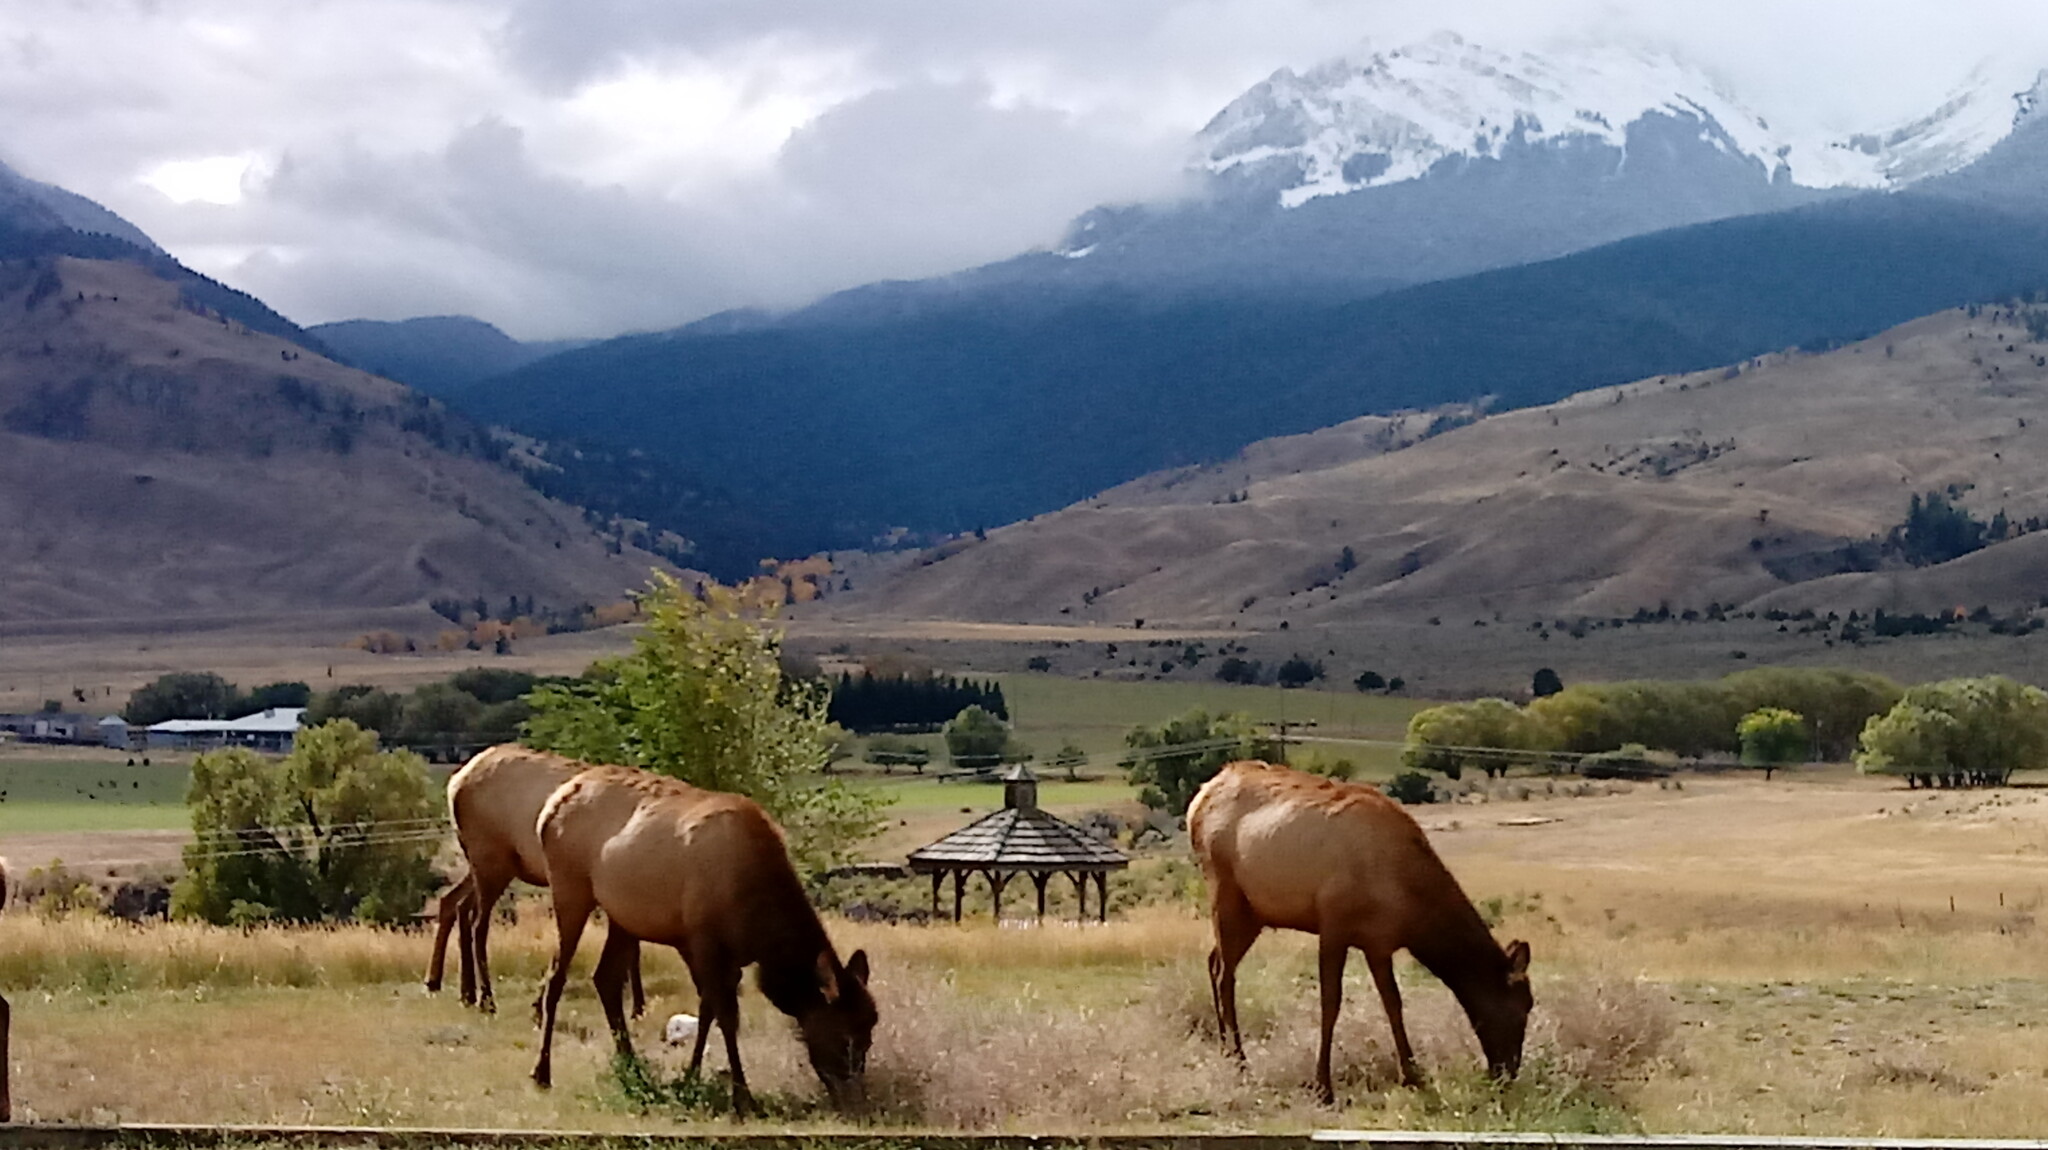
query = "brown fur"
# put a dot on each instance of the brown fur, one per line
(1341, 861)
(709, 874)
(495, 802)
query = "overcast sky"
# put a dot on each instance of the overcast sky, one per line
(584, 167)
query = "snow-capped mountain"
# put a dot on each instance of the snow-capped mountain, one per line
(1380, 118)
(1993, 104)
(1364, 122)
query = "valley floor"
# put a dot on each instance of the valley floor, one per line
(1825, 954)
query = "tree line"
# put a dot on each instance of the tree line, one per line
(1959, 732)
(875, 703)
(205, 695)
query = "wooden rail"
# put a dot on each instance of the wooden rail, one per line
(40, 1136)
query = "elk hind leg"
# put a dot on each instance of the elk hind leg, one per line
(446, 916)
(489, 889)
(1237, 927)
(613, 966)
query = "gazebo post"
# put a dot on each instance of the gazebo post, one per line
(938, 880)
(1081, 888)
(959, 891)
(1102, 891)
(1038, 878)
(997, 880)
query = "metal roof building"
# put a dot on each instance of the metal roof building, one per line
(270, 729)
(1020, 839)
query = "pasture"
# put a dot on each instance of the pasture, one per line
(1823, 955)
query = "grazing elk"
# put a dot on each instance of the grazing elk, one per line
(495, 802)
(1343, 862)
(709, 874)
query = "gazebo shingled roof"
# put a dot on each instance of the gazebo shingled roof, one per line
(1019, 839)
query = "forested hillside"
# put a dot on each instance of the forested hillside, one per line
(977, 413)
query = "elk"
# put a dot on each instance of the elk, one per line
(495, 802)
(707, 873)
(1293, 851)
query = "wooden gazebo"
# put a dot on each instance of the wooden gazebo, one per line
(1020, 839)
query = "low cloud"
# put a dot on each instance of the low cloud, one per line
(582, 167)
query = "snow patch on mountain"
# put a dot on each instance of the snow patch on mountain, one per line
(1373, 119)
(1973, 120)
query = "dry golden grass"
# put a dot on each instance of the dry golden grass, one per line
(1726, 957)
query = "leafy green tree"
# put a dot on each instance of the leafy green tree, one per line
(1171, 761)
(1299, 671)
(1545, 683)
(1485, 734)
(271, 695)
(1772, 737)
(181, 695)
(1911, 741)
(493, 685)
(335, 830)
(367, 707)
(1370, 681)
(1070, 758)
(1936, 531)
(702, 698)
(1959, 732)
(438, 715)
(977, 740)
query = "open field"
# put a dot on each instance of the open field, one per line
(105, 667)
(1722, 955)
(63, 802)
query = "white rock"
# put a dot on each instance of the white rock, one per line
(681, 1031)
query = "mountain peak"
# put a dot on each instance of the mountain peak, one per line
(1379, 117)
(1382, 117)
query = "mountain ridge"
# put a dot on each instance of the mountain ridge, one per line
(1766, 484)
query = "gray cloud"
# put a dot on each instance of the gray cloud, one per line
(576, 167)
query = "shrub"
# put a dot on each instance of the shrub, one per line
(891, 751)
(1410, 788)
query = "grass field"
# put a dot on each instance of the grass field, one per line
(1049, 711)
(1819, 955)
(89, 793)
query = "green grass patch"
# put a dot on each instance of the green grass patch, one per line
(1094, 714)
(914, 794)
(89, 795)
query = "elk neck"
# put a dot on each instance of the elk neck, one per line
(1456, 946)
(787, 939)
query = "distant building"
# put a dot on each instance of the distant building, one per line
(269, 730)
(52, 727)
(113, 731)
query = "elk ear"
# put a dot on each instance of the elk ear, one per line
(828, 977)
(857, 967)
(1518, 961)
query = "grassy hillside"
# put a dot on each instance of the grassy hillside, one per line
(159, 458)
(1768, 484)
(976, 412)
